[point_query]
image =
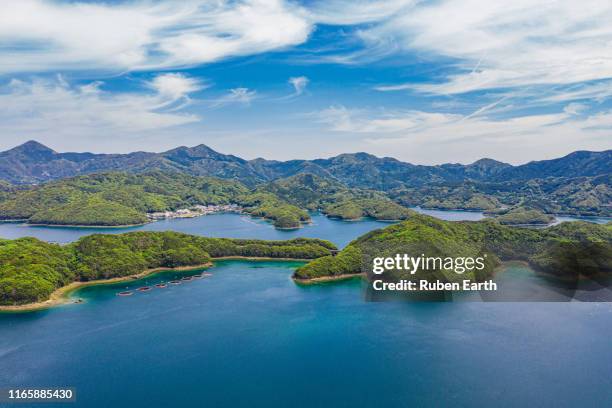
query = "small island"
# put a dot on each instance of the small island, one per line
(522, 216)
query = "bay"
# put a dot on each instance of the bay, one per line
(248, 336)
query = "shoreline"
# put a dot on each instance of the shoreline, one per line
(324, 279)
(258, 259)
(61, 296)
(88, 226)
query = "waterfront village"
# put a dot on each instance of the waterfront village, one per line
(195, 211)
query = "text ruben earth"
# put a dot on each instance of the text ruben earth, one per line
(411, 264)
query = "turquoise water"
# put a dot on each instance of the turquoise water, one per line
(249, 337)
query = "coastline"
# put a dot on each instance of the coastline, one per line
(260, 259)
(87, 226)
(61, 296)
(324, 279)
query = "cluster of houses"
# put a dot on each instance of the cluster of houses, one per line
(195, 211)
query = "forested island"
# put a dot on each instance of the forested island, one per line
(566, 250)
(30, 269)
(522, 216)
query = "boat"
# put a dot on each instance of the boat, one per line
(144, 288)
(175, 282)
(206, 275)
(197, 276)
(125, 293)
(160, 285)
(186, 278)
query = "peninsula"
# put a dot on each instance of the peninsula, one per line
(32, 270)
(566, 251)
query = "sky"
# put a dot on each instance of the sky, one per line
(426, 82)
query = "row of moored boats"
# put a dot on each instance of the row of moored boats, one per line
(163, 285)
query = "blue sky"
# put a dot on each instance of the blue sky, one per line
(425, 82)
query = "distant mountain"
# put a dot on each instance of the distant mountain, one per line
(576, 164)
(33, 162)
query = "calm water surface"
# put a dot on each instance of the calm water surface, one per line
(215, 225)
(249, 337)
(241, 226)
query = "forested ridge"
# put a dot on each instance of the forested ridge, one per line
(565, 250)
(31, 269)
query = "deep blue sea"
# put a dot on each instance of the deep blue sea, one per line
(248, 336)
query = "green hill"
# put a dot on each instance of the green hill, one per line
(122, 199)
(31, 269)
(566, 250)
(523, 216)
(334, 198)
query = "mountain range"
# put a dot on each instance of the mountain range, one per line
(33, 163)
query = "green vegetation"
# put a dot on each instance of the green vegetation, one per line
(31, 269)
(380, 209)
(523, 216)
(121, 199)
(335, 199)
(90, 210)
(307, 190)
(349, 261)
(113, 199)
(559, 195)
(568, 250)
(267, 205)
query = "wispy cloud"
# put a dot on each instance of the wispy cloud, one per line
(54, 106)
(299, 84)
(437, 137)
(45, 35)
(242, 96)
(512, 44)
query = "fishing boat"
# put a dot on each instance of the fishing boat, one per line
(175, 282)
(160, 285)
(197, 276)
(186, 278)
(144, 289)
(125, 293)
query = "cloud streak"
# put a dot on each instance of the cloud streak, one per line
(44, 107)
(49, 35)
(455, 137)
(513, 44)
(242, 96)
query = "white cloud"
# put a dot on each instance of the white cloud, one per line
(509, 44)
(43, 107)
(142, 35)
(426, 137)
(174, 86)
(236, 96)
(575, 108)
(299, 84)
(351, 12)
(341, 119)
